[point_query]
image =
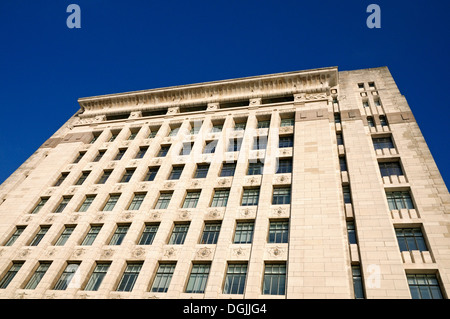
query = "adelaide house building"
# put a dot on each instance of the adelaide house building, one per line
(306, 184)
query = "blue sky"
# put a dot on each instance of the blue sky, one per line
(139, 44)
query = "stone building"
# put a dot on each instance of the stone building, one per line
(308, 184)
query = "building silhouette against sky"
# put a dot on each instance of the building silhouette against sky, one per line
(306, 184)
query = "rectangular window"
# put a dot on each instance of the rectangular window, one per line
(68, 230)
(176, 172)
(141, 152)
(120, 154)
(383, 120)
(151, 174)
(97, 276)
(365, 103)
(234, 144)
(99, 156)
(148, 234)
(287, 122)
(410, 239)
(228, 169)
(91, 235)
(87, 203)
(399, 200)
(235, 279)
(40, 234)
(278, 232)
(220, 198)
(286, 141)
(370, 121)
(127, 175)
(343, 164)
(79, 157)
(357, 282)
(19, 230)
(260, 143)
(136, 202)
(284, 166)
(274, 279)
(382, 142)
(163, 151)
(9, 276)
(119, 235)
(163, 277)
(243, 233)
(112, 201)
(255, 168)
(210, 233)
(187, 148)
(61, 179)
(250, 197)
(217, 128)
(152, 134)
(37, 275)
(104, 177)
(39, 205)
(198, 278)
(239, 126)
(66, 276)
(129, 276)
(339, 139)
(133, 135)
(195, 128)
(191, 199)
(210, 147)
(63, 204)
(179, 233)
(281, 195)
(351, 232)
(263, 124)
(163, 201)
(390, 168)
(337, 118)
(82, 178)
(113, 136)
(174, 131)
(94, 138)
(424, 286)
(202, 171)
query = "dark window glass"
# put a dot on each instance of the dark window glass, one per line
(410, 239)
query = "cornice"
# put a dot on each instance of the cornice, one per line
(308, 81)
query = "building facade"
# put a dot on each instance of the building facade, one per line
(308, 184)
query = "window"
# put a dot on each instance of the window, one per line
(9, 276)
(399, 200)
(284, 166)
(176, 172)
(68, 230)
(370, 121)
(153, 132)
(274, 279)
(383, 120)
(281, 195)
(243, 233)
(163, 276)
(99, 156)
(217, 128)
(119, 235)
(220, 198)
(136, 202)
(357, 282)
(91, 235)
(287, 122)
(37, 275)
(133, 135)
(163, 201)
(127, 175)
(202, 171)
(97, 276)
(228, 169)
(260, 143)
(79, 157)
(339, 139)
(82, 178)
(112, 201)
(129, 276)
(198, 278)
(278, 231)
(337, 118)
(141, 152)
(351, 232)
(174, 131)
(39, 205)
(390, 168)
(66, 276)
(343, 164)
(382, 142)
(187, 148)
(148, 234)
(234, 144)
(104, 177)
(371, 85)
(255, 168)
(40, 234)
(210, 233)
(195, 128)
(410, 239)
(210, 147)
(264, 124)
(163, 151)
(19, 230)
(235, 279)
(377, 102)
(61, 179)
(87, 203)
(250, 197)
(347, 194)
(94, 138)
(424, 286)
(151, 174)
(365, 103)
(239, 126)
(63, 204)
(113, 136)
(191, 199)
(361, 86)
(286, 141)
(120, 154)
(179, 233)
